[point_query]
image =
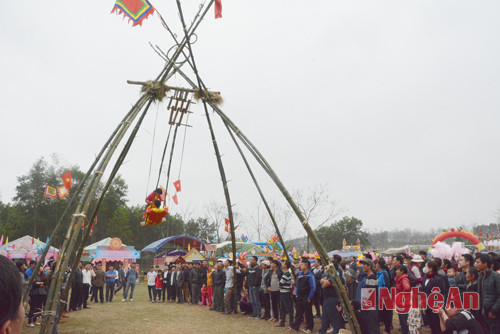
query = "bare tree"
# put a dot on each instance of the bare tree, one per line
(216, 213)
(317, 206)
(260, 223)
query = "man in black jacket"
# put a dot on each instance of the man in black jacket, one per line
(179, 283)
(489, 292)
(466, 261)
(196, 280)
(218, 282)
(76, 289)
(253, 275)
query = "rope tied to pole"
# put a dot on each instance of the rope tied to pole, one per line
(98, 172)
(205, 95)
(126, 122)
(79, 215)
(304, 222)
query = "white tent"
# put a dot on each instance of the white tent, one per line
(103, 242)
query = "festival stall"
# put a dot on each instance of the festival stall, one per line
(194, 256)
(27, 248)
(243, 250)
(110, 251)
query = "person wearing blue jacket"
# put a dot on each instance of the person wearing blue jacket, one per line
(304, 293)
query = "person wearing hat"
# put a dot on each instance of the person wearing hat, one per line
(370, 282)
(414, 266)
(264, 297)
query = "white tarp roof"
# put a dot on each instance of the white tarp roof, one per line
(103, 242)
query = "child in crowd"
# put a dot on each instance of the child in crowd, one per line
(245, 304)
(158, 285)
(204, 295)
(451, 276)
(415, 321)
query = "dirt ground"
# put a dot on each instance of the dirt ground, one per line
(142, 316)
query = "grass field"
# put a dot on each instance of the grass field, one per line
(143, 317)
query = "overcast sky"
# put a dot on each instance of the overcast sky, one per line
(393, 105)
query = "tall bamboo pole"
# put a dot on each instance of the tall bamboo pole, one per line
(271, 215)
(346, 305)
(74, 230)
(74, 197)
(116, 167)
(216, 149)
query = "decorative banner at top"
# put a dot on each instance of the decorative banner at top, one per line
(66, 177)
(226, 228)
(135, 10)
(50, 192)
(218, 9)
(63, 192)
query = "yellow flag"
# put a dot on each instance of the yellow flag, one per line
(7, 241)
(189, 246)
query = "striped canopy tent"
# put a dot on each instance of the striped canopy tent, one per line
(241, 247)
(182, 241)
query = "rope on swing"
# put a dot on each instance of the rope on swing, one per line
(152, 151)
(182, 151)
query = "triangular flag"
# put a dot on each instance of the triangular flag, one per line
(189, 247)
(305, 254)
(177, 185)
(195, 242)
(208, 241)
(178, 248)
(66, 177)
(1, 240)
(63, 192)
(38, 241)
(47, 242)
(135, 10)
(50, 192)
(32, 240)
(7, 241)
(215, 240)
(218, 9)
(176, 201)
(226, 227)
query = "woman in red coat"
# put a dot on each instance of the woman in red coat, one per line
(402, 285)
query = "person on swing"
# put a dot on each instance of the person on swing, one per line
(154, 196)
(154, 214)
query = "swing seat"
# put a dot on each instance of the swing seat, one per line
(154, 216)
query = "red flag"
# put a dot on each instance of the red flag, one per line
(218, 9)
(195, 242)
(177, 185)
(66, 177)
(175, 199)
(32, 240)
(487, 236)
(226, 228)
(480, 234)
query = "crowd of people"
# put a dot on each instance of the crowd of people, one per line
(284, 293)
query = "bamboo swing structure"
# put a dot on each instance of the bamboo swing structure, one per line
(155, 91)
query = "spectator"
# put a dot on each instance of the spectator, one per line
(228, 296)
(245, 304)
(253, 279)
(21, 267)
(456, 321)
(489, 293)
(304, 292)
(286, 305)
(317, 300)
(180, 283)
(432, 280)
(131, 278)
(76, 289)
(265, 300)
(11, 306)
(451, 273)
(466, 261)
(151, 275)
(384, 282)
(219, 281)
(330, 301)
(110, 283)
(371, 316)
(120, 281)
(98, 284)
(158, 285)
(32, 266)
(403, 285)
(273, 286)
(165, 283)
(210, 289)
(87, 275)
(349, 279)
(196, 281)
(38, 294)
